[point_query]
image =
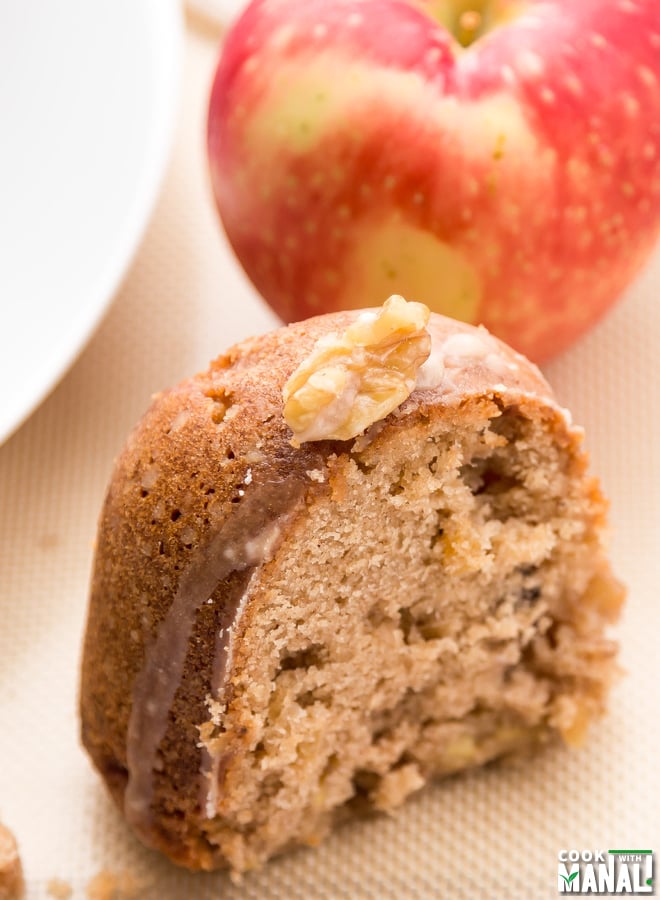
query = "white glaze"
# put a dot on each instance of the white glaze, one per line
(460, 347)
(498, 364)
(224, 643)
(248, 538)
(431, 372)
(260, 548)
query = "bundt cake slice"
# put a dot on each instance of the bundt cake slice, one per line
(290, 625)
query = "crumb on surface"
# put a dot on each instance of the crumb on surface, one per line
(12, 886)
(59, 889)
(121, 885)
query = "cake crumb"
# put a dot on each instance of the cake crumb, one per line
(12, 886)
(396, 786)
(121, 885)
(59, 889)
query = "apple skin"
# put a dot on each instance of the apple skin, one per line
(356, 150)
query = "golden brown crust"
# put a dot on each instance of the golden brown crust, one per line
(183, 472)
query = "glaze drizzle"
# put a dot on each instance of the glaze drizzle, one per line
(248, 538)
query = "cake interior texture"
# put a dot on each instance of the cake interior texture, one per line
(442, 603)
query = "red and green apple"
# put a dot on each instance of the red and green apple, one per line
(498, 160)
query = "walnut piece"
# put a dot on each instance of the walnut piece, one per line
(354, 379)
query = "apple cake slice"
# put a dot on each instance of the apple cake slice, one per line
(288, 626)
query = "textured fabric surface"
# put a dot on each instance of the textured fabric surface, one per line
(492, 834)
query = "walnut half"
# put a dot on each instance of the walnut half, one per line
(351, 380)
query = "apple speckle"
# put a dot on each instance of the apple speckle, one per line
(577, 214)
(597, 40)
(649, 151)
(331, 277)
(654, 39)
(547, 96)
(491, 183)
(574, 85)
(355, 20)
(647, 76)
(630, 105)
(529, 64)
(319, 31)
(418, 198)
(510, 210)
(627, 6)
(283, 37)
(508, 75)
(606, 157)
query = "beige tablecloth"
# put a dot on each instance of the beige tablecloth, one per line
(493, 834)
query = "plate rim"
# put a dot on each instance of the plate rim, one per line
(167, 19)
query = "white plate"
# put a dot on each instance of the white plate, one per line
(87, 100)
